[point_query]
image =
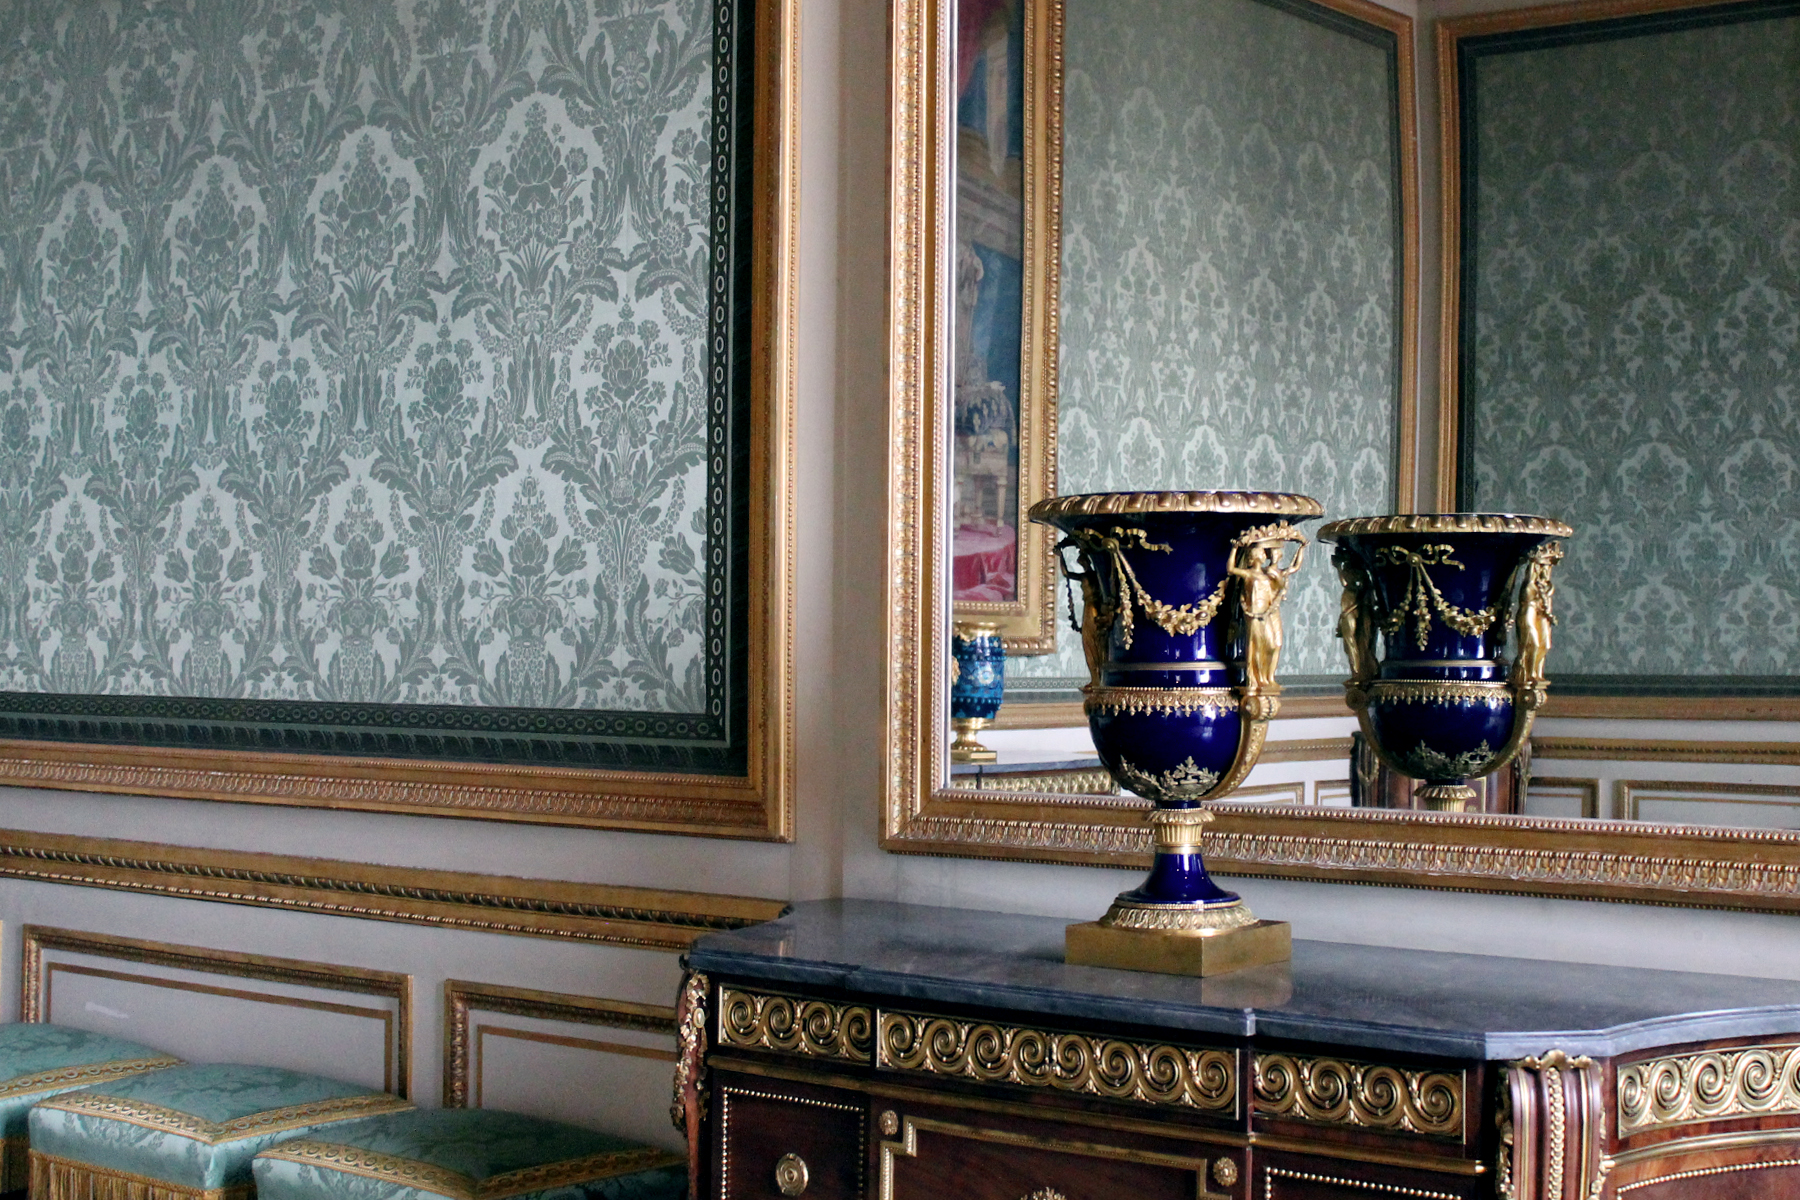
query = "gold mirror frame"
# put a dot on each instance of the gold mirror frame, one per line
(755, 805)
(921, 814)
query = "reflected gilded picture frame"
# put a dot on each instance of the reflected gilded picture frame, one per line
(539, 214)
(1615, 43)
(1005, 146)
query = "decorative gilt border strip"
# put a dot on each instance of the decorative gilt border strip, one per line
(1679, 1089)
(757, 805)
(389, 985)
(795, 1025)
(1782, 754)
(462, 997)
(1627, 794)
(1112, 1068)
(1686, 865)
(664, 920)
(1330, 1091)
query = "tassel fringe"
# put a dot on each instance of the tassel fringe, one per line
(55, 1178)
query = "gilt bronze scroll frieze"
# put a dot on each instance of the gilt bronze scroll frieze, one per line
(794, 1025)
(1113, 1068)
(1330, 1091)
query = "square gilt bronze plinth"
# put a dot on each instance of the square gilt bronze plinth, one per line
(1172, 952)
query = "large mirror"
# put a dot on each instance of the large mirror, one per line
(1230, 192)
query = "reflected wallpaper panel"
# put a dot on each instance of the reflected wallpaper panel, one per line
(1231, 269)
(1631, 328)
(370, 377)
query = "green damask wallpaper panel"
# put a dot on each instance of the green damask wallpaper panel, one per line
(1231, 269)
(1632, 328)
(370, 380)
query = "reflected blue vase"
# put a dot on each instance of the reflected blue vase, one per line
(978, 684)
(1181, 626)
(1461, 604)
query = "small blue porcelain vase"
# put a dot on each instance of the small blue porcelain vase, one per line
(1181, 624)
(1462, 604)
(978, 683)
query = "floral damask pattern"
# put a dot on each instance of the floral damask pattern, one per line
(1229, 283)
(356, 351)
(1637, 308)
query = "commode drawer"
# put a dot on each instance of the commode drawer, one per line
(940, 1158)
(781, 1139)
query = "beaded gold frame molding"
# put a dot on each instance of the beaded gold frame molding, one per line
(921, 814)
(754, 805)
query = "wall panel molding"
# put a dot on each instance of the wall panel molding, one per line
(462, 998)
(35, 978)
(584, 912)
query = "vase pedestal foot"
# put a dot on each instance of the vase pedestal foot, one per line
(1178, 951)
(966, 749)
(1446, 797)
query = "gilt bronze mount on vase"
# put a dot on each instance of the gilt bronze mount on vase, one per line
(1181, 624)
(1462, 605)
(977, 686)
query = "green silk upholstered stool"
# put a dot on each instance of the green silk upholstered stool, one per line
(38, 1061)
(466, 1154)
(185, 1133)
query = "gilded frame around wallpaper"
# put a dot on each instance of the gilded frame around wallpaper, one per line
(1027, 622)
(1688, 866)
(748, 800)
(1623, 696)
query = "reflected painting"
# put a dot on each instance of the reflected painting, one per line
(989, 298)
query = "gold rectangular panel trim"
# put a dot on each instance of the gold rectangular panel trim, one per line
(907, 1146)
(1679, 1089)
(1630, 794)
(463, 998)
(38, 940)
(1784, 754)
(1273, 1175)
(585, 912)
(1085, 1064)
(384, 1016)
(794, 1025)
(1588, 790)
(1362, 1095)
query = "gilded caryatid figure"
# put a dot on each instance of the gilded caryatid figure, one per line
(1262, 583)
(1535, 618)
(1356, 617)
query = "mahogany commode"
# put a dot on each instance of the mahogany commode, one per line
(856, 1048)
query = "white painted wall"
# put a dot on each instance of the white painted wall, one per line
(841, 507)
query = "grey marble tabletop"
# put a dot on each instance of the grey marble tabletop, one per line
(1410, 1001)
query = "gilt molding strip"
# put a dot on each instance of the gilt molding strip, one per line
(1679, 1089)
(1113, 1068)
(665, 920)
(462, 998)
(1634, 861)
(38, 940)
(1329, 1091)
(795, 1025)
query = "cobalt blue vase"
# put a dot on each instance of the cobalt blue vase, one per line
(1462, 605)
(978, 684)
(1181, 625)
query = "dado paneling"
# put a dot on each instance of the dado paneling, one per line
(605, 1063)
(209, 1005)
